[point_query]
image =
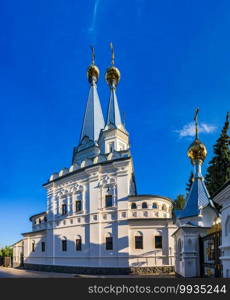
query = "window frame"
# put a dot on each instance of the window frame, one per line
(111, 146)
(64, 209)
(157, 246)
(64, 245)
(154, 205)
(133, 204)
(106, 201)
(43, 246)
(78, 202)
(139, 242)
(78, 246)
(109, 243)
(33, 246)
(144, 204)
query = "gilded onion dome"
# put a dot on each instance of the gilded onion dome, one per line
(197, 151)
(112, 74)
(93, 71)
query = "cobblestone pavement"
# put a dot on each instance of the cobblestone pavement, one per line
(20, 273)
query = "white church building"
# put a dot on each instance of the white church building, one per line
(95, 221)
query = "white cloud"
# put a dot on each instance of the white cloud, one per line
(94, 17)
(189, 129)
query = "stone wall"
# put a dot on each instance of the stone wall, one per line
(102, 271)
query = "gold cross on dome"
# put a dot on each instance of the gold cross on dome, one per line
(196, 121)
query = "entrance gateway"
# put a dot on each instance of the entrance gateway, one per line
(210, 253)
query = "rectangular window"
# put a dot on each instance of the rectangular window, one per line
(138, 242)
(108, 200)
(111, 147)
(43, 247)
(158, 242)
(64, 209)
(33, 246)
(109, 243)
(78, 206)
(64, 245)
(78, 244)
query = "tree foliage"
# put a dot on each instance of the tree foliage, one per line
(6, 251)
(218, 171)
(179, 202)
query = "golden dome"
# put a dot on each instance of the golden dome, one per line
(93, 73)
(197, 151)
(112, 75)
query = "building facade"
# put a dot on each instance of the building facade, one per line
(95, 221)
(222, 198)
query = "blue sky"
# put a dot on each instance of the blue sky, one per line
(173, 56)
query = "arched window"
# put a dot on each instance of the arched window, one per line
(45, 219)
(144, 205)
(133, 206)
(39, 221)
(139, 240)
(78, 243)
(64, 209)
(108, 200)
(108, 241)
(227, 226)
(64, 244)
(154, 205)
(33, 246)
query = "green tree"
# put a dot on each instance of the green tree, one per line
(179, 202)
(218, 171)
(6, 251)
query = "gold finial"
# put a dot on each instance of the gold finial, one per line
(92, 71)
(196, 121)
(93, 55)
(112, 75)
(113, 54)
(197, 150)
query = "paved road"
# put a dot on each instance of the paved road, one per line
(20, 273)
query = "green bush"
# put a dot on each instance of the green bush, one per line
(6, 251)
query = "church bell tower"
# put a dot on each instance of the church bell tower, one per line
(114, 137)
